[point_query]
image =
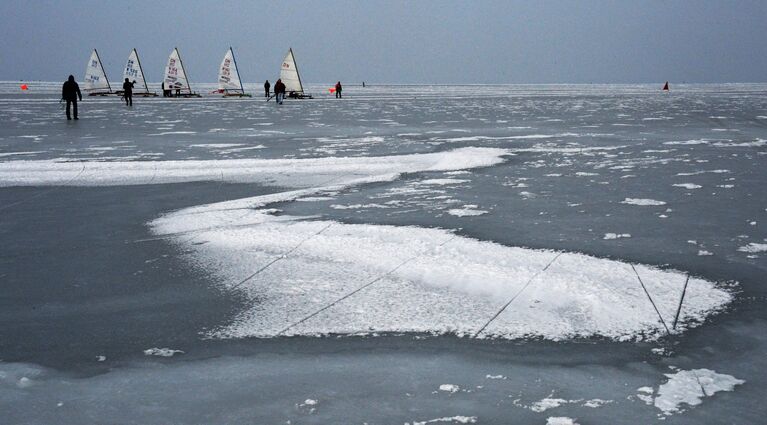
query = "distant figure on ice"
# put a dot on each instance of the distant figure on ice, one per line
(279, 91)
(70, 92)
(665, 86)
(164, 92)
(266, 88)
(363, 84)
(338, 90)
(128, 92)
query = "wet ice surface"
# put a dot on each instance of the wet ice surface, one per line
(585, 163)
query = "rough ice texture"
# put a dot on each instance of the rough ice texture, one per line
(690, 387)
(547, 403)
(642, 202)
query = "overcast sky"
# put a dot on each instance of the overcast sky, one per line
(536, 41)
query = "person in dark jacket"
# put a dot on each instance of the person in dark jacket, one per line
(338, 90)
(266, 88)
(279, 91)
(128, 92)
(70, 92)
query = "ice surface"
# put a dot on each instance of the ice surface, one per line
(753, 247)
(448, 419)
(161, 352)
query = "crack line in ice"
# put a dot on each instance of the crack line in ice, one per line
(377, 279)
(48, 190)
(681, 300)
(651, 301)
(281, 256)
(516, 295)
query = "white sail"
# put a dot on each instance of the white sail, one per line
(95, 77)
(289, 74)
(175, 76)
(134, 73)
(228, 75)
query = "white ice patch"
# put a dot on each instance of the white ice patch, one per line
(642, 202)
(687, 185)
(362, 279)
(466, 211)
(560, 420)
(443, 182)
(609, 236)
(449, 388)
(547, 403)
(162, 352)
(753, 248)
(277, 172)
(448, 419)
(690, 387)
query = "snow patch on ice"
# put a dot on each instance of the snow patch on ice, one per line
(690, 387)
(609, 236)
(448, 419)
(642, 202)
(450, 388)
(162, 352)
(753, 248)
(687, 185)
(560, 420)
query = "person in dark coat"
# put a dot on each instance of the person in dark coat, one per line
(70, 92)
(338, 90)
(128, 92)
(279, 91)
(266, 88)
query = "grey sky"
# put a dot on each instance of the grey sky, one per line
(396, 41)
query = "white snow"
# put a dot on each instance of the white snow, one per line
(161, 352)
(495, 377)
(560, 420)
(547, 403)
(642, 202)
(466, 211)
(687, 185)
(277, 172)
(609, 236)
(450, 388)
(753, 248)
(690, 387)
(426, 280)
(443, 182)
(448, 419)
(704, 253)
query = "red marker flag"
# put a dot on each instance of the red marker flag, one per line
(332, 89)
(24, 87)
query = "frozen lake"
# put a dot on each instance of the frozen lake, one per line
(409, 254)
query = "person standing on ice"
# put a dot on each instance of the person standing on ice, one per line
(128, 92)
(279, 91)
(70, 92)
(266, 88)
(338, 90)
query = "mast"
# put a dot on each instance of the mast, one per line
(298, 74)
(238, 70)
(146, 86)
(186, 76)
(101, 64)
